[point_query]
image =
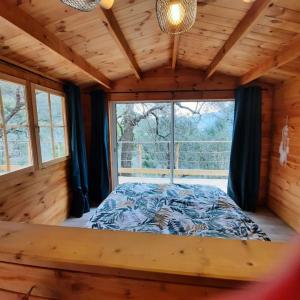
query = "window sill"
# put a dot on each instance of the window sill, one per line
(15, 173)
(54, 162)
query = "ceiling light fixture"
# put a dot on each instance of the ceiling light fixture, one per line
(176, 16)
(88, 5)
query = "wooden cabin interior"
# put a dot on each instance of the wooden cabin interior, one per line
(148, 149)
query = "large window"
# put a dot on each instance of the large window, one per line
(181, 142)
(33, 131)
(50, 111)
(15, 144)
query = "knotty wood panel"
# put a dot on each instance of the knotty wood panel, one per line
(49, 262)
(8, 295)
(83, 32)
(39, 196)
(138, 255)
(86, 34)
(162, 82)
(38, 79)
(284, 191)
(60, 284)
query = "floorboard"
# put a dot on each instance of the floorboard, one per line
(274, 227)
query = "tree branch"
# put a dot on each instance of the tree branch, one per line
(121, 128)
(157, 126)
(19, 105)
(147, 113)
(194, 112)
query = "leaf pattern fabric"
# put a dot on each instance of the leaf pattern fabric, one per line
(180, 209)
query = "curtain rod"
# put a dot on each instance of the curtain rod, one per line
(176, 91)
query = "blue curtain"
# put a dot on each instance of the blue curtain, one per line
(79, 167)
(244, 170)
(99, 160)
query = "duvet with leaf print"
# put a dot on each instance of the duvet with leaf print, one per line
(181, 209)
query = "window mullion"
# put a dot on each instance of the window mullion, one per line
(51, 126)
(114, 144)
(31, 125)
(4, 135)
(172, 143)
(66, 140)
(36, 142)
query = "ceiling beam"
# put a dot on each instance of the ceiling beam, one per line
(175, 50)
(290, 70)
(287, 54)
(29, 69)
(251, 18)
(30, 26)
(112, 25)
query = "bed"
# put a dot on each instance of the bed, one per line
(181, 209)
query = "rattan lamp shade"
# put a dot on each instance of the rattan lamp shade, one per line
(88, 5)
(176, 16)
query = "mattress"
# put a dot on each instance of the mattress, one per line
(180, 209)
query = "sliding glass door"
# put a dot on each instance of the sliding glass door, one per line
(181, 142)
(143, 142)
(202, 142)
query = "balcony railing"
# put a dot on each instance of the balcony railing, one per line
(202, 159)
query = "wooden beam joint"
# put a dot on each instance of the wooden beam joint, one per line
(287, 54)
(175, 50)
(31, 27)
(110, 22)
(251, 18)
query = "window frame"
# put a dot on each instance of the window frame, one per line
(112, 111)
(31, 167)
(49, 91)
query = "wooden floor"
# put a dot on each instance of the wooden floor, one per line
(274, 227)
(81, 222)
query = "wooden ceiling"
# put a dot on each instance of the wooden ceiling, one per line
(253, 40)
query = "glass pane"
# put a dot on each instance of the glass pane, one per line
(59, 142)
(46, 144)
(56, 109)
(3, 167)
(19, 150)
(1, 122)
(144, 142)
(42, 107)
(14, 106)
(202, 142)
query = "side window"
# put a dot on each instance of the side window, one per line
(51, 119)
(15, 143)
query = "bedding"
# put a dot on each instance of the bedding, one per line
(181, 209)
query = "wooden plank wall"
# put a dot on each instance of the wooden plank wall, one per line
(38, 196)
(156, 85)
(284, 191)
(112, 265)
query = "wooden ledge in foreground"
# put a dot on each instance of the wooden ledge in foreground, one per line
(77, 263)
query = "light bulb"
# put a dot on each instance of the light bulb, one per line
(107, 4)
(176, 13)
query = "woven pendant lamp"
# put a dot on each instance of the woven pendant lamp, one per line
(88, 5)
(176, 16)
